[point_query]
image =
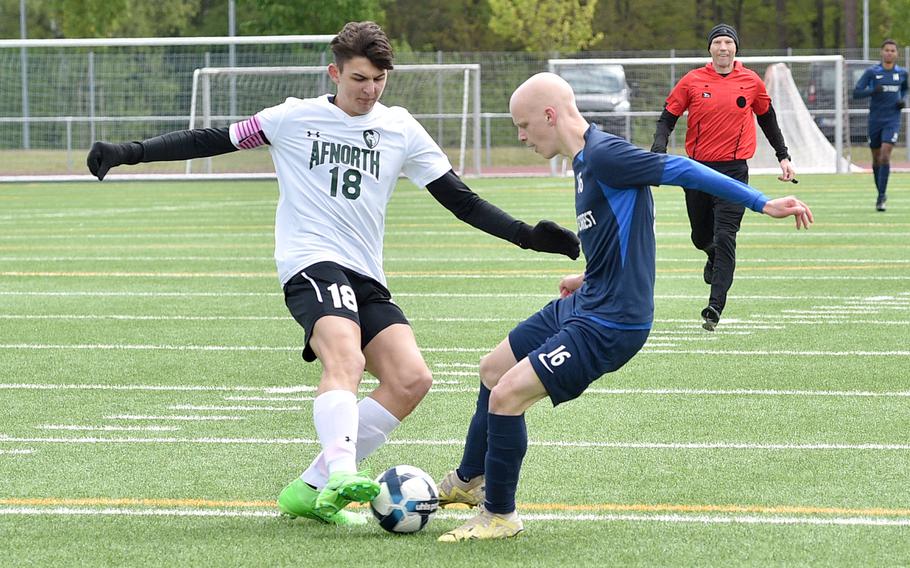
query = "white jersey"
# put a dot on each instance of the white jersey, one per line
(336, 174)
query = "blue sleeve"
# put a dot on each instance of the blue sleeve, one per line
(620, 164)
(864, 86)
(904, 86)
(692, 175)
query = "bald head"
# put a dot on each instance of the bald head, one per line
(543, 108)
(543, 90)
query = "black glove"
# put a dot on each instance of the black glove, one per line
(104, 156)
(547, 236)
(899, 105)
(659, 147)
(878, 89)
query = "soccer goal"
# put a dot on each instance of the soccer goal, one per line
(445, 98)
(645, 83)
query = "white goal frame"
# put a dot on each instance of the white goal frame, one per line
(470, 98)
(836, 60)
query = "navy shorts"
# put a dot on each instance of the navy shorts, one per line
(883, 133)
(327, 289)
(568, 351)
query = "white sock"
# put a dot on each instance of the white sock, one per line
(336, 416)
(376, 423)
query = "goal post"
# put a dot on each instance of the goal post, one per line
(650, 80)
(444, 98)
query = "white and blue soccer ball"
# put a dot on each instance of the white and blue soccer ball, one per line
(407, 499)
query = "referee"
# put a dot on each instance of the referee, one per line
(721, 98)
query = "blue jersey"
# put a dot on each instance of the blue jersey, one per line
(883, 105)
(615, 212)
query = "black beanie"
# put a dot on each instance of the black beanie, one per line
(723, 30)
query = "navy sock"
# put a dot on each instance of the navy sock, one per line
(884, 171)
(475, 445)
(875, 174)
(507, 444)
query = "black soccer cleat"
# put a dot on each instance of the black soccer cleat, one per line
(711, 317)
(880, 203)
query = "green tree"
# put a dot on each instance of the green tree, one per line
(545, 25)
(123, 18)
(271, 17)
(446, 25)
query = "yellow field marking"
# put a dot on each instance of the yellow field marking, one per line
(558, 507)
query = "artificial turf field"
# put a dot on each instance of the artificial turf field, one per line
(154, 401)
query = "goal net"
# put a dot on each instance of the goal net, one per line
(810, 150)
(445, 99)
(641, 86)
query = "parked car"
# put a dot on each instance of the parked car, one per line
(600, 89)
(819, 96)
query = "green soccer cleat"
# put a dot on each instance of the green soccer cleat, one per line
(342, 488)
(453, 490)
(298, 499)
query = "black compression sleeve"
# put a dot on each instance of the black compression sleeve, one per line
(768, 124)
(665, 125)
(187, 144)
(469, 207)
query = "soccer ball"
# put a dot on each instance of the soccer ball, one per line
(407, 499)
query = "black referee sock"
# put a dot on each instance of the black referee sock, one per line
(507, 444)
(875, 174)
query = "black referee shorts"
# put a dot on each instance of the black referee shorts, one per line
(328, 289)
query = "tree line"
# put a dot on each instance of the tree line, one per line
(484, 25)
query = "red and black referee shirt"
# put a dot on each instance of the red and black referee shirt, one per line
(721, 126)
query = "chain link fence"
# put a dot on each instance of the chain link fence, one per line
(65, 97)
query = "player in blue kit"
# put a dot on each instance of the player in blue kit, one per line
(604, 315)
(885, 85)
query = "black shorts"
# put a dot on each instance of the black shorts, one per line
(327, 289)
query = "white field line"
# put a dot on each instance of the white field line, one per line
(651, 349)
(853, 309)
(816, 235)
(728, 392)
(165, 388)
(473, 388)
(540, 517)
(271, 398)
(846, 322)
(185, 418)
(832, 312)
(760, 353)
(536, 259)
(717, 332)
(22, 452)
(238, 408)
(460, 442)
(123, 317)
(527, 275)
(151, 294)
(637, 392)
(151, 236)
(116, 211)
(108, 428)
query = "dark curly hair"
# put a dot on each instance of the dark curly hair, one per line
(362, 39)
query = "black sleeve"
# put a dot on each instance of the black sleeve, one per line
(469, 207)
(187, 144)
(768, 124)
(665, 125)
